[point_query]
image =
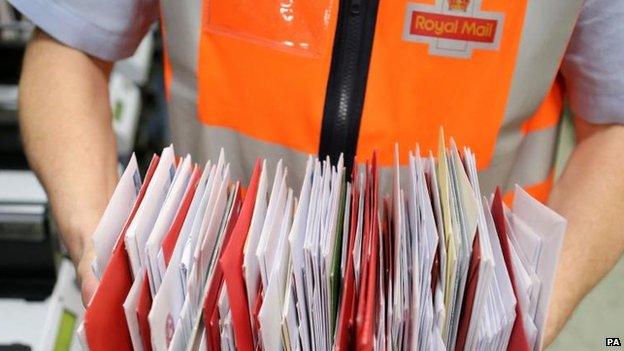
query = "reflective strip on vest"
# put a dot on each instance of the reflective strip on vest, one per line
(181, 38)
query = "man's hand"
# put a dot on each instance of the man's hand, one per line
(590, 194)
(88, 281)
(65, 121)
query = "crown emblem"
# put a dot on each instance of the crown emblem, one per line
(458, 5)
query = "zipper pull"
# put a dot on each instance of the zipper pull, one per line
(355, 7)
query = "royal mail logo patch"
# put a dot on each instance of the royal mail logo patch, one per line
(453, 27)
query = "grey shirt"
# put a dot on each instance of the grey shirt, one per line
(593, 66)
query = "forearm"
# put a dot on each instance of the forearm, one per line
(590, 195)
(65, 121)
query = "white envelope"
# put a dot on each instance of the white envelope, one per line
(345, 231)
(501, 303)
(296, 240)
(143, 222)
(199, 228)
(438, 298)
(311, 253)
(251, 268)
(270, 314)
(117, 211)
(130, 309)
(265, 252)
(188, 246)
(551, 228)
(163, 222)
(357, 244)
(225, 321)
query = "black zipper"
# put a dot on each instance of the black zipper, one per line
(348, 74)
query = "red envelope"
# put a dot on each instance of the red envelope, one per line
(255, 322)
(345, 319)
(367, 313)
(105, 320)
(518, 340)
(231, 263)
(469, 294)
(210, 313)
(212, 331)
(171, 238)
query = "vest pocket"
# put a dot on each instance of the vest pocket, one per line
(298, 27)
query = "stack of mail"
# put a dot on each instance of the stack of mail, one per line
(189, 259)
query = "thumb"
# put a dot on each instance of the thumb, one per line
(88, 281)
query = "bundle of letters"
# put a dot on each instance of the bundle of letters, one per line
(190, 259)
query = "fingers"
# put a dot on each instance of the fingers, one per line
(88, 281)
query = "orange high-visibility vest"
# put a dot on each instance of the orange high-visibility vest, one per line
(286, 78)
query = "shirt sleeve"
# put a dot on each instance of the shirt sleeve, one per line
(593, 66)
(107, 29)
